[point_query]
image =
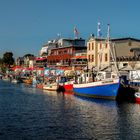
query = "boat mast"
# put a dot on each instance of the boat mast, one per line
(99, 34)
(112, 51)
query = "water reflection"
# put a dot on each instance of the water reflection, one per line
(30, 113)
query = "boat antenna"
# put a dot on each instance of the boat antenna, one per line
(58, 36)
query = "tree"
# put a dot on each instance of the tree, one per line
(1, 61)
(8, 59)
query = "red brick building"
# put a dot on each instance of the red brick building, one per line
(64, 51)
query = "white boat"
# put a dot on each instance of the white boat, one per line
(51, 86)
(5, 79)
(15, 81)
(134, 77)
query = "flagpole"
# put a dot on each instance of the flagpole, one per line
(99, 30)
(75, 33)
(108, 31)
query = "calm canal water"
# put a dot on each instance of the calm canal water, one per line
(27, 113)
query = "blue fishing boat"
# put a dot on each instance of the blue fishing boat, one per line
(107, 88)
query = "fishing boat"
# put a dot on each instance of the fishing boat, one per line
(65, 84)
(102, 83)
(106, 87)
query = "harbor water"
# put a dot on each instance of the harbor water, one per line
(28, 113)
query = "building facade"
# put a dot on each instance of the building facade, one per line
(65, 49)
(98, 52)
(101, 53)
(48, 46)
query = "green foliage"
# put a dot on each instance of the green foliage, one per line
(3, 69)
(8, 59)
(1, 62)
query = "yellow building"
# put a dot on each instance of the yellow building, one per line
(98, 52)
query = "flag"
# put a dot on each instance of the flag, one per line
(99, 34)
(108, 31)
(75, 32)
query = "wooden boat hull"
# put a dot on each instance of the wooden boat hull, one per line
(51, 87)
(137, 97)
(66, 87)
(28, 81)
(39, 86)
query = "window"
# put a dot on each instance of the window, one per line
(106, 57)
(70, 51)
(92, 46)
(106, 45)
(65, 51)
(125, 64)
(101, 58)
(55, 52)
(89, 46)
(89, 58)
(92, 58)
(100, 45)
(60, 52)
(129, 43)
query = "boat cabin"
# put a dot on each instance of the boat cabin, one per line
(92, 77)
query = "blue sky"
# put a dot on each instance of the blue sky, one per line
(25, 25)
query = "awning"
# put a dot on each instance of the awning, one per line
(16, 67)
(40, 58)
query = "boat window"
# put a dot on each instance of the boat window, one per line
(108, 75)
